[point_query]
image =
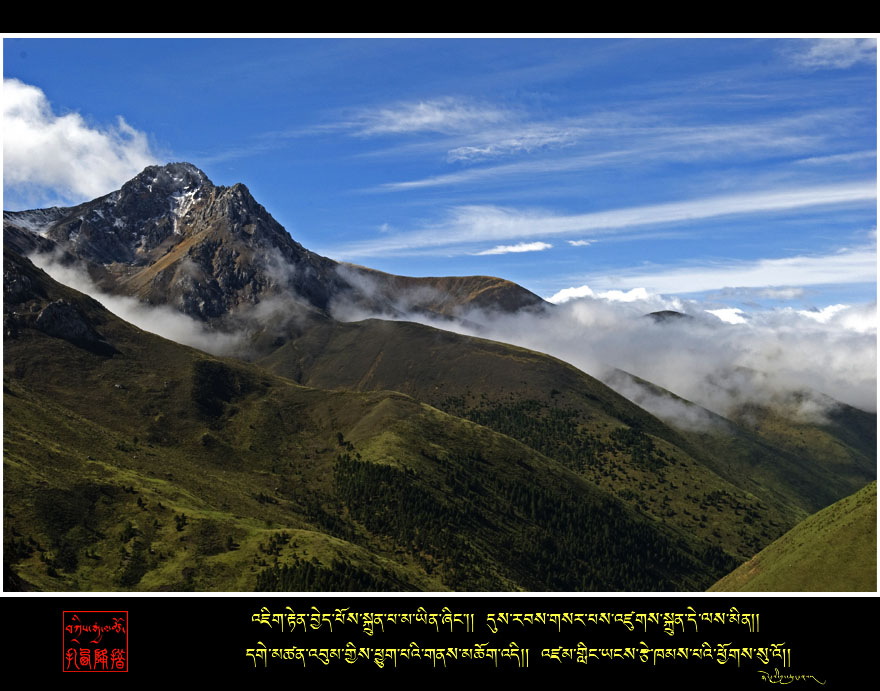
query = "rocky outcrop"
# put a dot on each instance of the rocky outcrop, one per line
(63, 320)
(17, 287)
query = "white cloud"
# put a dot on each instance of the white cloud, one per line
(773, 293)
(521, 247)
(823, 316)
(729, 315)
(719, 366)
(445, 115)
(625, 295)
(715, 364)
(580, 243)
(507, 169)
(835, 53)
(859, 319)
(61, 156)
(497, 222)
(567, 294)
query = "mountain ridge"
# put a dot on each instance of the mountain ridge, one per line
(170, 235)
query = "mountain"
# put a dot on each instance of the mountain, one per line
(832, 550)
(511, 448)
(171, 237)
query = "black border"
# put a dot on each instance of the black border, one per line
(830, 638)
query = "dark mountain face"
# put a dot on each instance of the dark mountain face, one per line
(170, 236)
(129, 225)
(668, 316)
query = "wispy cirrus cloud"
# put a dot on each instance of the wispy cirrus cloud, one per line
(857, 265)
(833, 159)
(506, 170)
(470, 224)
(773, 293)
(443, 115)
(62, 158)
(604, 140)
(470, 132)
(834, 53)
(517, 139)
(520, 247)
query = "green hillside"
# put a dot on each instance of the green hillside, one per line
(834, 550)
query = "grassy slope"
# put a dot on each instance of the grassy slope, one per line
(157, 467)
(834, 550)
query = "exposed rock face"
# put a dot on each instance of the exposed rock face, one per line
(170, 236)
(63, 320)
(17, 287)
(128, 225)
(26, 305)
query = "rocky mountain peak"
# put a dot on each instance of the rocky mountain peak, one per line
(131, 224)
(159, 191)
(171, 179)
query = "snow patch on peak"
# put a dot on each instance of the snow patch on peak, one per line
(181, 203)
(173, 178)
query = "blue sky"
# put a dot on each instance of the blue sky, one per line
(740, 172)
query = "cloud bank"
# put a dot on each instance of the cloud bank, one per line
(720, 361)
(720, 366)
(164, 321)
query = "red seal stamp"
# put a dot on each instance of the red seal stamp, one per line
(95, 641)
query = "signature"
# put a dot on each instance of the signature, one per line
(777, 678)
